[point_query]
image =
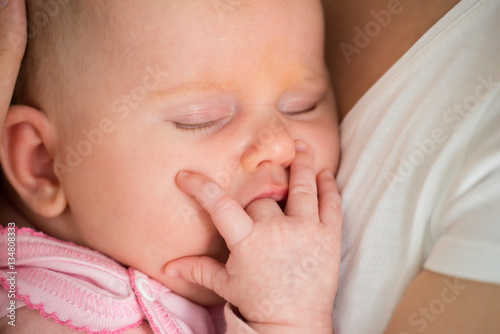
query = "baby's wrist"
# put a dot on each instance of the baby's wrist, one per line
(264, 328)
(302, 321)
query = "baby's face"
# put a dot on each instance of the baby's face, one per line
(221, 88)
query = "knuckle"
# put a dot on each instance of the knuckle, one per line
(223, 204)
(303, 189)
(197, 273)
(198, 276)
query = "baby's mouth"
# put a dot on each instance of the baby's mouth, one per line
(278, 195)
(282, 203)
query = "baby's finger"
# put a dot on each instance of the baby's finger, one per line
(12, 44)
(263, 208)
(302, 194)
(330, 206)
(203, 270)
(232, 222)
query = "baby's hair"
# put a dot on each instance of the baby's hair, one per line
(53, 27)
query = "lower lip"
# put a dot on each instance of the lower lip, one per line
(274, 196)
(280, 198)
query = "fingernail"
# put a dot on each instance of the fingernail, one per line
(173, 274)
(328, 173)
(300, 146)
(181, 175)
(4, 3)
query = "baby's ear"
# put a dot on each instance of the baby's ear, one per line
(27, 156)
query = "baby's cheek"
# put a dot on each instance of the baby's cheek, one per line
(330, 143)
(333, 155)
(325, 144)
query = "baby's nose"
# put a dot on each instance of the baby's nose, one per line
(272, 143)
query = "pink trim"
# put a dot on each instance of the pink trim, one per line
(66, 290)
(39, 246)
(144, 308)
(60, 287)
(169, 322)
(165, 318)
(69, 323)
(62, 280)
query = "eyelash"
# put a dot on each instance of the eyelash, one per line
(296, 113)
(196, 127)
(207, 126)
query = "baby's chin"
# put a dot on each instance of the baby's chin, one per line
(193, 292)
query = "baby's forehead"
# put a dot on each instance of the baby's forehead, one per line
(67, 22)
(84, 38)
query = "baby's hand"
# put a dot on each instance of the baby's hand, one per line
(283, 269)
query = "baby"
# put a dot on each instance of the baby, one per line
(114, 101)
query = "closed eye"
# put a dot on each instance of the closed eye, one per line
(300, 112)
(197, 127)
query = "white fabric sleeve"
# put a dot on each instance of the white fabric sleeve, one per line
(469, 242)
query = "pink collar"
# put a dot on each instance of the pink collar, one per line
(90, 292)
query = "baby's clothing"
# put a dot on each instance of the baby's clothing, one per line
(87, 291)
(420, 172)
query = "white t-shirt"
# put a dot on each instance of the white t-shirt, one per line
(420, 172)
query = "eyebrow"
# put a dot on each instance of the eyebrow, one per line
(207, 86)
(186, 88)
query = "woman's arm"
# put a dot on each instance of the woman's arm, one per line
(435, 303)
(12, 44)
